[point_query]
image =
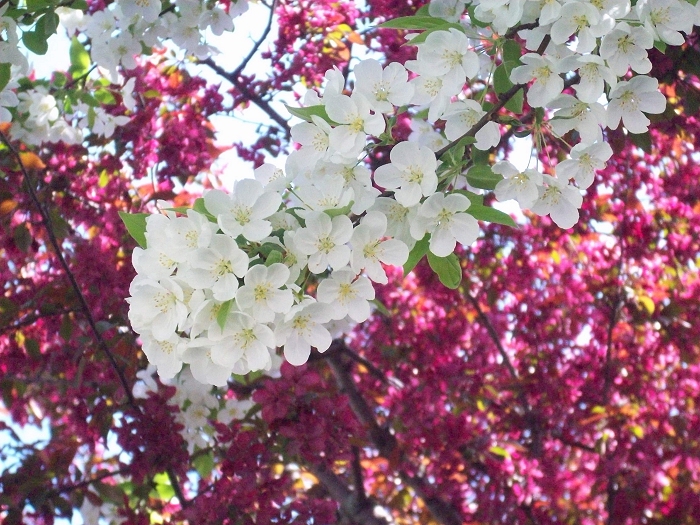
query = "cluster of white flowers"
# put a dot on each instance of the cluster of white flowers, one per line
(292, 253)
(117, 36)
(198, 404)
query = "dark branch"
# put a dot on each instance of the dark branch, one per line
(383, 440)
(354, 506)
(237, 72)
(250, 95)
(46, 222)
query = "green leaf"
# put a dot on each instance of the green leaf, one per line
(5, 74)
(511, 51)
(22, 238)
(423, 10)
(200, 207)
(334, 212)
(306, 113)
(515, 104)
(47, 24)
(163, 487)
(104, 96)
(204, 464)
(79, 4)
(419, 22)
(136, 226)
(447, 269)
(222, 314)
(79, 58)
(501, 79)
(474, 198)
(35, 41)
(416, 254)
(661, 46)
(488, 214)
(381, 307)
(274, 257)
(455, 155)
(38, 5)
(482, 176)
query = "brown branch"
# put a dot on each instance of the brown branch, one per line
(383, 440)
(237, 72)
(357, 510)
(29, 320)
(85, 483)
(46, 222)
(84, 307)
(250, 95)
(486, 322)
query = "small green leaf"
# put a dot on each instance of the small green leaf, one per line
(105, 97)
(22, 238)
(274, 257)
(501, 79)
(482, 176)
(35, 41)
(266, 249)
(447, 269)
(499, 451)
(5, 74)
(222, 314)
(204, 464)
(511, 51)
(79, 4)
(136, 226)
(474, 198)
(515, 104)
(419, 22)
(306, 113)
(488, 214)
(200, 207)
(381, 307)
(416, 254)
(47, 24)
(660, 45)
(334, 212)
(79, 58)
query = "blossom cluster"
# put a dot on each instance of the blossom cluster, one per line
(116, 37)
(291, 253)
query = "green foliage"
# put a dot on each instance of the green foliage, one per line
(447, 269)
(136, 226)
(307, 113)
(416, 254)
(79, 58)
(482, 176)
(488, 214)
(222, 314)
(4, 75)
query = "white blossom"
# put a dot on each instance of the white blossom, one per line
(444, 219)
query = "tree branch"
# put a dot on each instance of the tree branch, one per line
(354, 506)
(250, 95)
(84, 307)
(237, 72)
(46, 222)
(383, 440)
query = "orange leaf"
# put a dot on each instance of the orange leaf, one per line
(31, 161)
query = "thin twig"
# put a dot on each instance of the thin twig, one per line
(85, 308)
(251, 96)
(46, 222)
(237, 72)
(493, 335)
(385, 443)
